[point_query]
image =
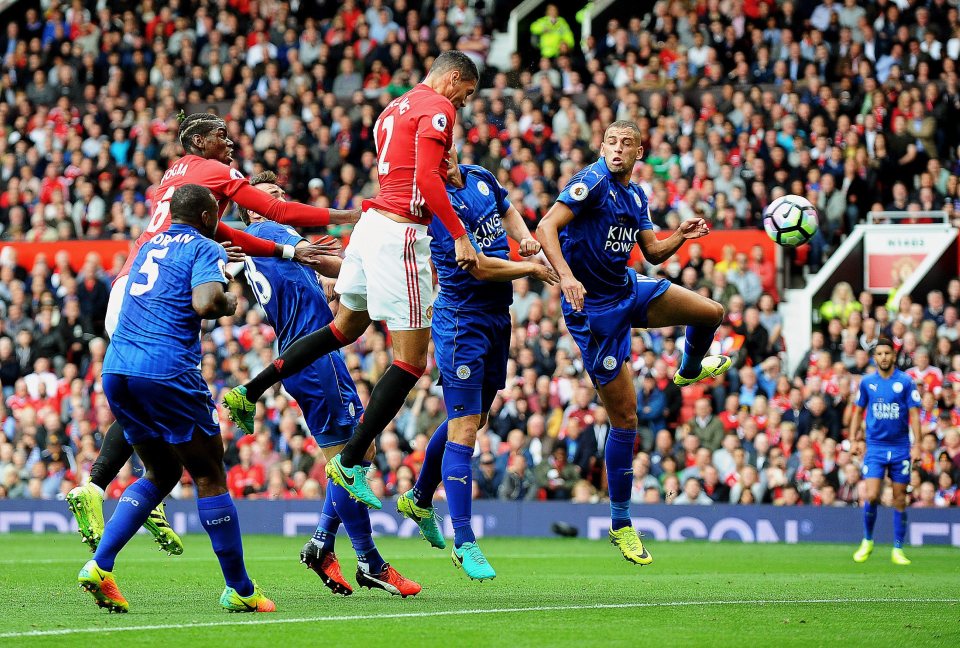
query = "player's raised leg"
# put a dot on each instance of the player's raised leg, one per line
(701, 317)
(348, 325)
(202, 456)
(386, 399)
(620, 401)
(873, 487)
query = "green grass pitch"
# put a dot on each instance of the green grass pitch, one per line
(548, 592)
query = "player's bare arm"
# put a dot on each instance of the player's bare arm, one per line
(494, 269)
(517, 229)
(211, 300)
(548, 233)
(657, 251)
(327, 265)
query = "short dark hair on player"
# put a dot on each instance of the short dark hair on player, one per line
(455, 60)
(264, 177)
(884, 341)
(188, 202)
(625, 124)
(198, 124)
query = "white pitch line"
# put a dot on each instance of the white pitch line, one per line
(291, 558)
(442, 613)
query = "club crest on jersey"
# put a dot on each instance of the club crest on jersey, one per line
(439, 122)
(483, 188)
(215, 416)
(579, 191)
(352, 410)
(463, 372)
(636, 198)
(429, 312)
(897, 388)
(609, 363)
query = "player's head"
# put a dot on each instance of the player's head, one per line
(195, 205)
(884, 354)
(454, 75)
(205, 134)
(621, 147)
(265, 181)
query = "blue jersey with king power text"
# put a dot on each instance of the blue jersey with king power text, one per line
(887, 402)
(289, 293)
(608, 219)
(481, 205)
(158, 334)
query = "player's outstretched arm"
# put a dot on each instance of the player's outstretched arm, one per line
(548, 233)
(249, 244)
(211, 301)
(656, 251)
(344, 216)
(494, 269)
(287, 213)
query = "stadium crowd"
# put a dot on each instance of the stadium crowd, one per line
(854, 104)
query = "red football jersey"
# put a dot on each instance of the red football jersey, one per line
(216, 176)
(419, 114)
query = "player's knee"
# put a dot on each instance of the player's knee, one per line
(210, 485)
(623, 417)
(717, 312)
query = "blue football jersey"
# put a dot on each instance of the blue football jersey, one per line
(481, 205)
(158, 335)
(289, 293)
(608, 219)
(887, 402)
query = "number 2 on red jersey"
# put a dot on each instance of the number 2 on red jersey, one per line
(383, 132)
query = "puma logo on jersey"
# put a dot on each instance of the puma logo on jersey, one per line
(462, 480)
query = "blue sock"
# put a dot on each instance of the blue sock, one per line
(618, 458)
(696, 343)
(899, 528)
(326, 533)
(134, 508)
(869, 520)
(356, 520)
(219, 518)
(430, 472)
(458, 483)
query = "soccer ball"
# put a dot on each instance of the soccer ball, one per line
(790, 220)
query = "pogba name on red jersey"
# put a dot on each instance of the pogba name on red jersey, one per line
(413, 135)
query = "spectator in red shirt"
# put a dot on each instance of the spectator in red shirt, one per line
(246, 478)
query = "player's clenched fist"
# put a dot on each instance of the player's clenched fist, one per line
(574, 291)
(529, 247)
(466, 254)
